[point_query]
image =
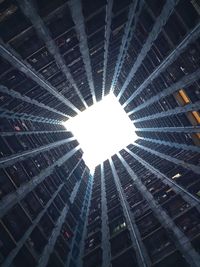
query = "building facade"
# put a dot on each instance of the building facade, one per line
(141, 207)
(141, 215)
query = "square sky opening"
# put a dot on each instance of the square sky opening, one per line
(102, 130)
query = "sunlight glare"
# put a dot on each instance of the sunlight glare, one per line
(102, 130)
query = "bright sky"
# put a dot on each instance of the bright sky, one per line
(102, 130)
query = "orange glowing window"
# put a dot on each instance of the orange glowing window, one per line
(196, 116)
(184, 96)
(198, 135)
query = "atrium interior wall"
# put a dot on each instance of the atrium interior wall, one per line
(141, 207)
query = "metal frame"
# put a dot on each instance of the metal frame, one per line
(191, 37)
(185, 81)
(185, 129)
(56, 231)
(80, 260)
(82, 217)
(30, 11)
(32, 132)
(11, 199)
(128, 32)
(182, 242)
(15, 60)
(5, 113)
(142, 256)
(160, 22)
(77, 15)
(173, 144)
(171, 112)
(192, 167)
(187, 196)
(7, 161)
(107, 39)
(27, 99)
(106, 253)
(22, 241)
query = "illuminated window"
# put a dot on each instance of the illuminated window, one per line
(176, 176)
(184, 96)
(196, 116)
